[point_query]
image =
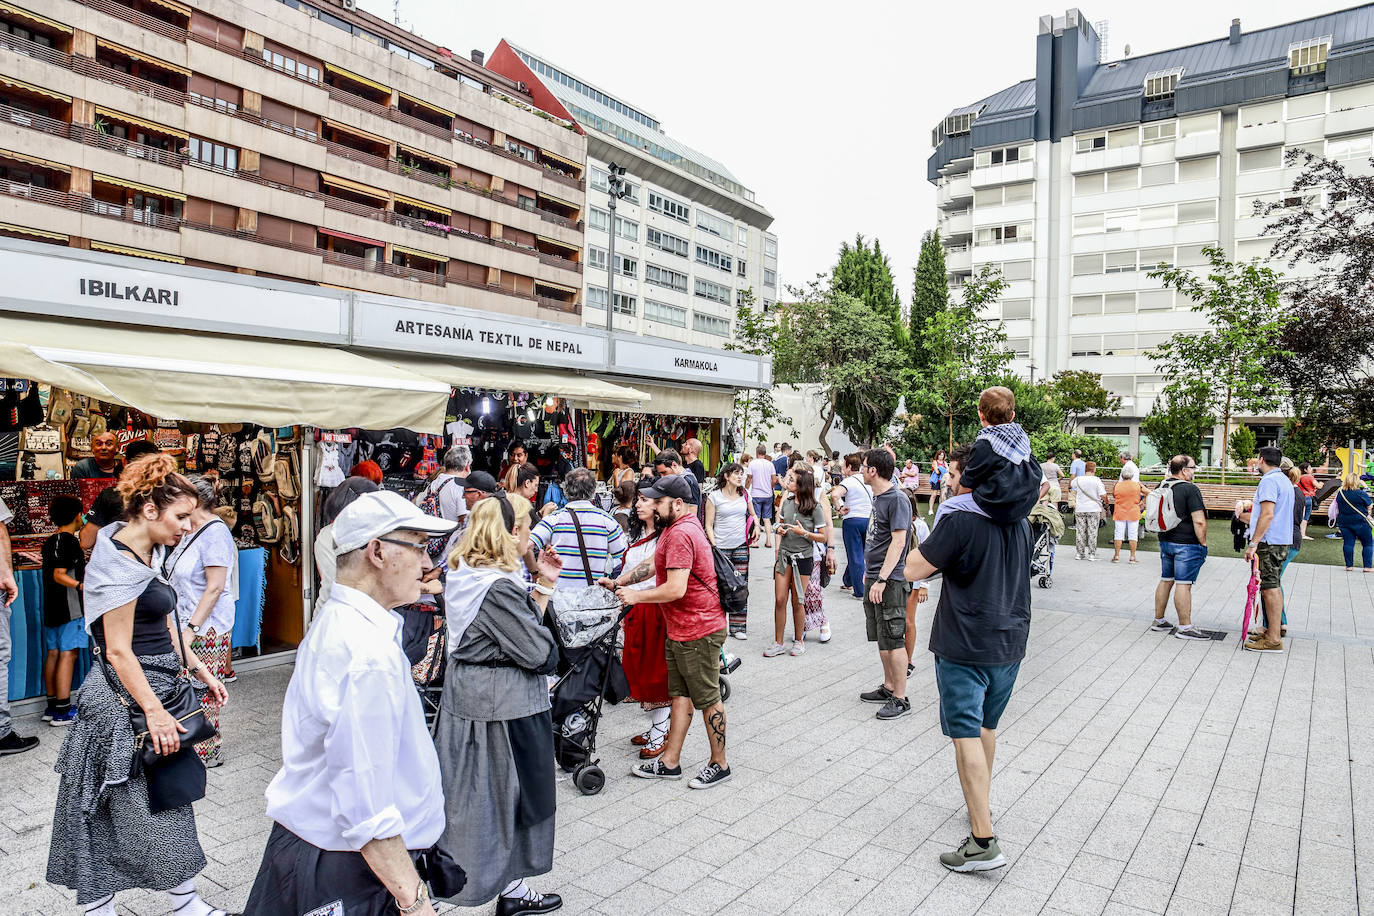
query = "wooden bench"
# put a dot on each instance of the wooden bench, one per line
(1216, 497)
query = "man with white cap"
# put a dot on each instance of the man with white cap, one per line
(358, 794)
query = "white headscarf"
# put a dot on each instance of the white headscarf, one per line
(464, 592)
(115, 577)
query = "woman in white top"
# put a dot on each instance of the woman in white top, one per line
(728, 510)
(853, 501)
(204, 571)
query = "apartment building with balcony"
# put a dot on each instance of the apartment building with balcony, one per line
(690, 237)
(305, 141)
(1079, 181)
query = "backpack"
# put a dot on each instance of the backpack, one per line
(267, 524)
(1160, 513)
(731, 588)
(429, 505)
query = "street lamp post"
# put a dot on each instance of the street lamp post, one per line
(616, 189)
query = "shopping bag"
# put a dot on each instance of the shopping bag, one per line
(1251, 592)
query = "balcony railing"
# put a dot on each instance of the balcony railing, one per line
(247, 236)
(558, 304)
(31, 121)
(381, 267)
(555, 261)
(82, 203)
(91, 137)
(142, 20)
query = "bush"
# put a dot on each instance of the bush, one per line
(1302, 441)
(1105, 452)
(1242, 445)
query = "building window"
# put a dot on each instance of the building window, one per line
(662, 276)
(520, 149)
(1197, 211)
(1163, 173)
(714, 224)
(218, 155)
(289, 65)
(596, 297)
(599, 219)
(1120, 262)
(665, 313)
(1085, 265)
(770, 247)
(743, 238)
(712, 258)
(1089, 143)
(626, 267)
(1308, 56)
(1160, 84)
(665, 242)
(713, 291)
(960, 123)
(1019, 347)
(224, 106)
(670, 208)
(711, 324)
(1016, 308)
(627, 229)
(625, 304)
(989, 157)
(1257, 160)
(596, 257)
(770, 278)
(1160, 132)
(1351, 148)
(739, 268)
(599, 180)
(1002, 235)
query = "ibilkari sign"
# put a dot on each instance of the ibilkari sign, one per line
(441, 331)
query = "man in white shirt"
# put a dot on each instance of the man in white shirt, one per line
(448, 485)
(1090, 499)
(760, 473)
(10, 743)
(359, 793)
(1128, 467)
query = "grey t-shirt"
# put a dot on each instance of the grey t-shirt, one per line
(891, 512)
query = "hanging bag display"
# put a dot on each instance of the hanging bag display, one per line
(288, 473)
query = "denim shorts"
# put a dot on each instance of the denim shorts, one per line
(972, 697)
(1307, 508)
(71, 635)
(763, 506)
(1181, 562)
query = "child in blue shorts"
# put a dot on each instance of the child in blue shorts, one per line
(64, 625)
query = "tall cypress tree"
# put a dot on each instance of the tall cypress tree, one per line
(863, 271)
(929, 295)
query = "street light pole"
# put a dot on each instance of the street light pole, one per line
(616, 189)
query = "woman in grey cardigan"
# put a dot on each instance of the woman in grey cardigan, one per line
(495, 732)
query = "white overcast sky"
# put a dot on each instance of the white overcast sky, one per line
(823, 109)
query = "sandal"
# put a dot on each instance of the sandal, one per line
(642, 739)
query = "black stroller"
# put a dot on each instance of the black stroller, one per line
(589, 674)
(424, 637)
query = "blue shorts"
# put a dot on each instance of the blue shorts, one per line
(763, 507)
(1181, 562)
(71, 635)
(1307, 508)
(972, 697)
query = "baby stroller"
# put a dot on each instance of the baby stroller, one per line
(590, 675)
(424, 637)
(1047, 527)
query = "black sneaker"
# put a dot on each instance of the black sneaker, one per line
(879, 694)
(14, 744)
(1161, 626)
(712, 774)
(910, 668)
(894, 708)
(656, 770)
(1191, 633)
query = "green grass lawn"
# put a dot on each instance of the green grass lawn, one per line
(1320, 550)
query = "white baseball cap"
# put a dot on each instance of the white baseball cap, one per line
(374, 515)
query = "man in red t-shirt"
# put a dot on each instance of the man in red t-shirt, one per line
(686, 590)
(1307, 483)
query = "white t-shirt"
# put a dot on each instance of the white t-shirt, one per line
(858, 499)
(214, 547)
(1091, 492)
(452, 506)
(761, 473)
(730, 519)
(1132, 467)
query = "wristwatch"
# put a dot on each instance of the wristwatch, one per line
(193, 628)
(881, 580)
(421, 898)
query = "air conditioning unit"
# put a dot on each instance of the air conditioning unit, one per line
(521, 87)
(350, 4)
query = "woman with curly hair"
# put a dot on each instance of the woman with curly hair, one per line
(108, 834)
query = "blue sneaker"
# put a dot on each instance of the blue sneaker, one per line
(63, 719)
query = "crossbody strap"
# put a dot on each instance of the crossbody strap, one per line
(582, 547)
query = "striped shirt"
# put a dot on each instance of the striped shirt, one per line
(605, 540)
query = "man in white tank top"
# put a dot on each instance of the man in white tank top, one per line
(853, 502)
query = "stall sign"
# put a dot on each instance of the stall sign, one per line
(66, 286)
(650, 359)
(436, 331)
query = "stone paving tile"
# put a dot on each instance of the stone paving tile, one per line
(1135, 774)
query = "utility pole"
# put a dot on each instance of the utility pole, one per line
(616, 189)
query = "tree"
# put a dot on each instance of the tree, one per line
(1302, 441)
(864, 272)
(964, 349)
(1180, 419)
(1056, 442)
(929, 295)
(755, 334)
(1242, 444)
(1081, 395)
(1241, 342)
(831, 339)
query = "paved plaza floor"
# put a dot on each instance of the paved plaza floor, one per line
(1135, 773)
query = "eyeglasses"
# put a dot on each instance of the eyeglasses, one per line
(422, 546)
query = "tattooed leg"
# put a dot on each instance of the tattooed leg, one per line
(715, 731)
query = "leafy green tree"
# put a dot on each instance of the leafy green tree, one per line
(1241, 343)
(1302, 440)
(1081, 395)
(1037, 408)
(755, 334)
(964, 350)
(832, 339)
(929, 295)
(1242, 444)
(1180, 419)
(1055, 441)
(865, 273)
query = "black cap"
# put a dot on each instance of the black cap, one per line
(478, 480)
(673, 486)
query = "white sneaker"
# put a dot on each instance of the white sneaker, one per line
(798, 647)
(825, 633)
(741, 635)
(773, 650)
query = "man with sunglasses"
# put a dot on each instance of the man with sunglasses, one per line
(1182, 550)
(358, 794)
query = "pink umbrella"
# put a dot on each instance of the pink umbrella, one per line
(1251, 591)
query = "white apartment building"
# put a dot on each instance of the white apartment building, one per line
(689, 237)
(1078, 182)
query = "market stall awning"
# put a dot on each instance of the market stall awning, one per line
(216, 379)
(516, 378)
(682, 401)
